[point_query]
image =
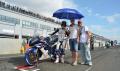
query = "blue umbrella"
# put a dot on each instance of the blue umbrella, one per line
(67, 13)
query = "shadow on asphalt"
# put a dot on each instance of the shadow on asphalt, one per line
(17, 61)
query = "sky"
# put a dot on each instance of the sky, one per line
(101, 16)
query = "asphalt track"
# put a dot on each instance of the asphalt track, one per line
(103, 60)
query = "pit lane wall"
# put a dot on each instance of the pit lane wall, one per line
(9, 46)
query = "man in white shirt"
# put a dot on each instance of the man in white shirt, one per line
(84, 44)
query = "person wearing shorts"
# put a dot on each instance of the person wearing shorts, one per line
(73, 42)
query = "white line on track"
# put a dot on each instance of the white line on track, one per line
(36, 70)
(88, 69)
(22, 70)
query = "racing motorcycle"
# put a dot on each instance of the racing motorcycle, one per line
(37, 44)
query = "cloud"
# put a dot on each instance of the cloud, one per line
(97, 14)
(43, 7)
(96, 29)
(111, 33)
(104, 29)
(111, 18)
(88, 11)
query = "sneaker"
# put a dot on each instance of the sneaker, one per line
(57, 60)
(75, 63)
(90, 64)
(83, 63)
(46, 54)
(62, 60)
(42, 57)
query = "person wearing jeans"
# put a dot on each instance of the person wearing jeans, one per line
(84, 43)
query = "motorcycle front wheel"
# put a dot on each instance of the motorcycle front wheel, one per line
(31, 57)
